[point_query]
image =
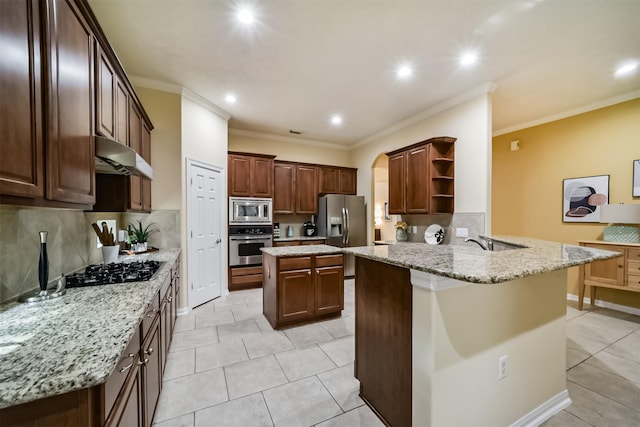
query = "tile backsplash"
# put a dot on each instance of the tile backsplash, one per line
(71, 242)
(474, 222)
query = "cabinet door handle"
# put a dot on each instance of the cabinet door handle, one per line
(148, 351)
(126, 368)
(143, 362)
(152, 313)
(170, 298)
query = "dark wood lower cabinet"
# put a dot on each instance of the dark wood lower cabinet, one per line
(383, 363)
(300, 289)
(151, 370)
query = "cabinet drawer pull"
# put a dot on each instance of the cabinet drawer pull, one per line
(126, 368)
(170, 298)
(148, 351)
(143, 362)
(152, 313)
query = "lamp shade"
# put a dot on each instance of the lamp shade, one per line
(620, 214)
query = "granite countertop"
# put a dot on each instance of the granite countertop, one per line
(470, 263)
(296, 238)
(302, 250)
(75, 341)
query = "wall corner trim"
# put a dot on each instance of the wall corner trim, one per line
(205, 103)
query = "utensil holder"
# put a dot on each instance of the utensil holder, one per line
(110, 254)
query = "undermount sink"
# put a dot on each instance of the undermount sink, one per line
(490, 244)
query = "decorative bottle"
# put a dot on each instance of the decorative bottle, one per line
(43, 265)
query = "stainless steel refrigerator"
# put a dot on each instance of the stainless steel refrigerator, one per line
(342, 220)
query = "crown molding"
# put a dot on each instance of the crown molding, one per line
(289, 139)
(189, 94)
(573, 112)
(480, 90)
(205, 103)
(155, 84)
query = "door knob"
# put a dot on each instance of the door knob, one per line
(219, 240)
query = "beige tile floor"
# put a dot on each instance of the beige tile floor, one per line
(228, 367)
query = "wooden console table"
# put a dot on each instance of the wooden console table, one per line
(621, 273)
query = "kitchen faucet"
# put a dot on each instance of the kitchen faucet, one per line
(488, 247)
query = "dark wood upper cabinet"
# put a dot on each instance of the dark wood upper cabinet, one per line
(284, 182)
(105, 95)
(121, 113)
(306, 189)
(250, 175)
(146, 182)
(328, 180)
(421, 177)
(397, 183)
(135, 142)
(337, 180)
(21, 114)
(69, 140)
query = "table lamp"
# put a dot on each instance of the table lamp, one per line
(619, 216)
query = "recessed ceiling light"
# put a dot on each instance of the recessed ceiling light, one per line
(404, 71)
(231, 98)
(336, 120)
(626, 69)
(468, 58)
(246, 16)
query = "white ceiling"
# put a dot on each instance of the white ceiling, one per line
(305, 60)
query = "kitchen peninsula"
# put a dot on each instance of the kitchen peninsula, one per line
(455, 335)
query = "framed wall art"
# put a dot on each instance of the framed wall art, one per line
(636, 178)
(581, 198)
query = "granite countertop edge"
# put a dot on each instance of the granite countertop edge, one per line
(73, 342)
(474, 265)
(301, 250)
(296, 238)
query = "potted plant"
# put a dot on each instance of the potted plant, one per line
(140, 236)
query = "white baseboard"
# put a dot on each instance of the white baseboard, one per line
(606, 304)
(545, 411)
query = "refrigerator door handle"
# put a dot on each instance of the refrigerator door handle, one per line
(344, 226)
(346, 233)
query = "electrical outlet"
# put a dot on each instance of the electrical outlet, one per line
(462, 232)
(502, 367)
(414, 229)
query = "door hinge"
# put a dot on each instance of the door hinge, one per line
(190, 181)
(192, 234)
(191, 285)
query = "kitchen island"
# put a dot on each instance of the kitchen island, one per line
(302, 283)
(63, 360)
(454, 335)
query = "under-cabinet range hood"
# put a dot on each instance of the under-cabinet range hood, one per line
(115, 158)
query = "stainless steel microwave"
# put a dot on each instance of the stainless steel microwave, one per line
(249, 210)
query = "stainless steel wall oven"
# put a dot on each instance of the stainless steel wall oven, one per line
(245, 243)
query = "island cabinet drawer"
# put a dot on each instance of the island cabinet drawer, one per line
(633, 281)
(126, 365)
(328, 260)
(633, 268)
(634, 255)
(149, 316)
(295, 263)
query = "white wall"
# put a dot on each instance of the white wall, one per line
(470, 122)
(204, 138)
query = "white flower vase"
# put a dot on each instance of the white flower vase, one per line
(401, 234)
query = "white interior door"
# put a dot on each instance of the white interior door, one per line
(204, 233)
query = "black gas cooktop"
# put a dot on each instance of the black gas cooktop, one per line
(116, 272)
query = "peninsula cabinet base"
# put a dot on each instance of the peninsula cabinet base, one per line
(428, 347)
(70, 410)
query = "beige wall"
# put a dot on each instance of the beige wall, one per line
(527, 184)
(291, 149)
(469, 122)
(163, 109)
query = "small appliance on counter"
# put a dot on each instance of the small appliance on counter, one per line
(276, 230)
(310, 229)
(290, 231)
